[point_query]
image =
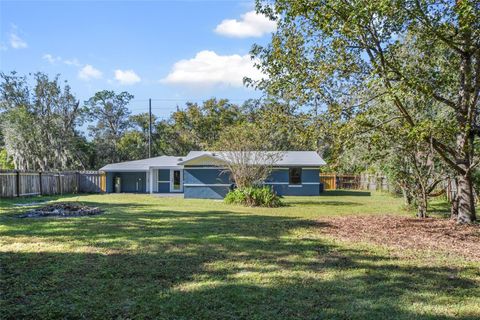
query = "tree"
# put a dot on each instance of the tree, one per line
(40, 124)
(199, 126)
(413, 168)
(287, 127)
(243, 148)
(133, 145)
(111, 114)
(5, 160)
(430, 49)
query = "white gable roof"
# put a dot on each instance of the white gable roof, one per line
(285, 158)
(144, 164)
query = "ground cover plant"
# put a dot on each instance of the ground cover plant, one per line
(173, 258)
(254, 197)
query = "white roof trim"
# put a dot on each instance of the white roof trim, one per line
(124, 170)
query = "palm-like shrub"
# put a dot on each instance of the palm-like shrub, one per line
(254, 197)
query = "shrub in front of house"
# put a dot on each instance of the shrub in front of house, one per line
(254, 197)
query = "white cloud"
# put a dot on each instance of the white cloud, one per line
(208, 68)
(51, 58)
(89, 72)
(250, 25)
(72, 62)
(16, 42)
(126, 77)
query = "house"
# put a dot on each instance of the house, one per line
(202, 174)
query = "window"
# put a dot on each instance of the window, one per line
(176, 180)
(295, 176)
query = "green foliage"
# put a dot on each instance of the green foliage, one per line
(40, 123)
(254, 197)
(197, 126)
(418, 58)
(287, 126)
(111, 115)
(5, 160)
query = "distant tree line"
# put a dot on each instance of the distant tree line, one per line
(45, 127)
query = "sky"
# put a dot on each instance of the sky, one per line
(169, 51)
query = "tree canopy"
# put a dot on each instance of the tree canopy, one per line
(416, 56)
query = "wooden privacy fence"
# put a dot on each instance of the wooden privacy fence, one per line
(332, 181)
(26, 183)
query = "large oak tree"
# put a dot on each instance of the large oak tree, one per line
(334, 49)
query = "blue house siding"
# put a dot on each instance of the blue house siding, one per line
(279, 180)
(130, 181)
(206, 183)
(297, 190)
(310, 175)
(278, 175)
(205, 192)
(205, 176)
(109, 182)
(214, 183)
(164, 187)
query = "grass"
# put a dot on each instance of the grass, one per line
(170, 258)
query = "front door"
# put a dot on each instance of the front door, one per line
(176, 180)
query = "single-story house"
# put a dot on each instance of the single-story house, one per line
(202, 174)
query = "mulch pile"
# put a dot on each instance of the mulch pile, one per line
(436, 234)
(62, 209)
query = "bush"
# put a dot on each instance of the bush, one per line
(254, 197)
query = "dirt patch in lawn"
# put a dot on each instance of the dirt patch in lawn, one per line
(410, 233)
(62, 209)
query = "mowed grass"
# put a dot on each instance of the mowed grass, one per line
(173, 258)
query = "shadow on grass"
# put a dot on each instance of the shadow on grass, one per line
(321, 202)
(356, 193)
(138, 261)
(439, 208)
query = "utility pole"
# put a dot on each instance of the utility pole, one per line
(149, 128)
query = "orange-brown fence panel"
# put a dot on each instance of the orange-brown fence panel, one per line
(332, 181)
(329, 181)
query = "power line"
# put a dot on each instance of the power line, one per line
(188, 99)
(150, 128)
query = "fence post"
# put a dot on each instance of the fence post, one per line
(40, 182)
(17, 182)
(77, 180)
(59, 179)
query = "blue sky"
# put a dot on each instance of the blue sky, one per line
(171, 50)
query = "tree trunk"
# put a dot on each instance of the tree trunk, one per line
(465, 199)
(407, 198)
(454, 206)
(422, 205)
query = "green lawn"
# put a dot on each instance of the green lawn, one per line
(170, 258)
